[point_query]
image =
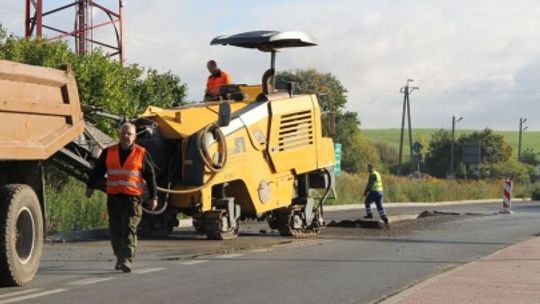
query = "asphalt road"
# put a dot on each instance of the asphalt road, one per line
(344, 265)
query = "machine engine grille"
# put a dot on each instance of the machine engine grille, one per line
(295, 130)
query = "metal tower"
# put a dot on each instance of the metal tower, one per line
(83, 27)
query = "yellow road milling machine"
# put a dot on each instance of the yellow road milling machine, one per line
(255, 153)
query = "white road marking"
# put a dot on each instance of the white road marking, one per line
(34, 295)
(300, 244)
(17, 293)
(229, 256)
(260, 250)
(90, 281)
(193, 262)
(147, 270)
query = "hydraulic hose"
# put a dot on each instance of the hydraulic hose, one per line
(211, 165)
(214, 166)
(156, 212)
(170, 191)
(189, 190)
(327, 192)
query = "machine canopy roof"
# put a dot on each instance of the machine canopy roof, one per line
(266, 41)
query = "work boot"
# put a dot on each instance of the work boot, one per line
(118, 265)
(126, 265)
(386, 222)
(368, 217)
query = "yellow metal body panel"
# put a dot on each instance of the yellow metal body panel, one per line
(296, 141)
(251, 91)
(187, 120)
(246, 169)
(268, 144)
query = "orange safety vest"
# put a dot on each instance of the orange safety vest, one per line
(126, 179)
(214, 83)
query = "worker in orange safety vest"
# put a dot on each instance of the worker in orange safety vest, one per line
(216, 79)
(128, 169)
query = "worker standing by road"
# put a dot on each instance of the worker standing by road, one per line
(128, 167)
(216, 79)
(374, 193)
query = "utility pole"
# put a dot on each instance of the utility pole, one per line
(521, 129)
(452, 171)
(407, 91)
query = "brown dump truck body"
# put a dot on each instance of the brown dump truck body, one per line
(40, 114)
(40, 111)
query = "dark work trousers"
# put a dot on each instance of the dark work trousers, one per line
(125, 213)
(377, 197)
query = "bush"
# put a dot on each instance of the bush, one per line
(530, 157)
(388, 154)
(358, 154)
(68, 209)
(535, 195)
(120, 89)
(519, 172)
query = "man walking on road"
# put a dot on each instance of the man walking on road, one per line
(374, 193)
(129, 170)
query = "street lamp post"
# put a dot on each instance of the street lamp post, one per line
(521, 129)
(454, 121)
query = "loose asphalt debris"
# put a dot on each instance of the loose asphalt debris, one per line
(427, 213)
(370, 229)
(370, 224)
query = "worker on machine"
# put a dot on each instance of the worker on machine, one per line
(216, 79)
(129, 171)
(374, 193)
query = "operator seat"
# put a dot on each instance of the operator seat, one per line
(231, 92)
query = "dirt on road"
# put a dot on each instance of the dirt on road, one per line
(185, 243)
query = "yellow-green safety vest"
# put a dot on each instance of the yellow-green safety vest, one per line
(377, 186)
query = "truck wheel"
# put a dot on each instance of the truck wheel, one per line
(21, 234)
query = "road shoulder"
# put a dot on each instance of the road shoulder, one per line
(509, 275)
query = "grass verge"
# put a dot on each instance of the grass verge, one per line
(350, 188)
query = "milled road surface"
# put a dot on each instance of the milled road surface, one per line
(344, 265)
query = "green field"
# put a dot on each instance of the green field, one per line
(531, 139)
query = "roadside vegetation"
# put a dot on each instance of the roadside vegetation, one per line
(350, 188)
(125, 90)
(390, 136)
(68, 209)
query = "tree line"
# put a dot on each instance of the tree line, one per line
(495, 156)
(495, 152)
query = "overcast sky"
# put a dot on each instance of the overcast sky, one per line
(476, 59)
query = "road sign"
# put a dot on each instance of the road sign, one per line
(471, 154)
(417, 147)
(337, 152)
